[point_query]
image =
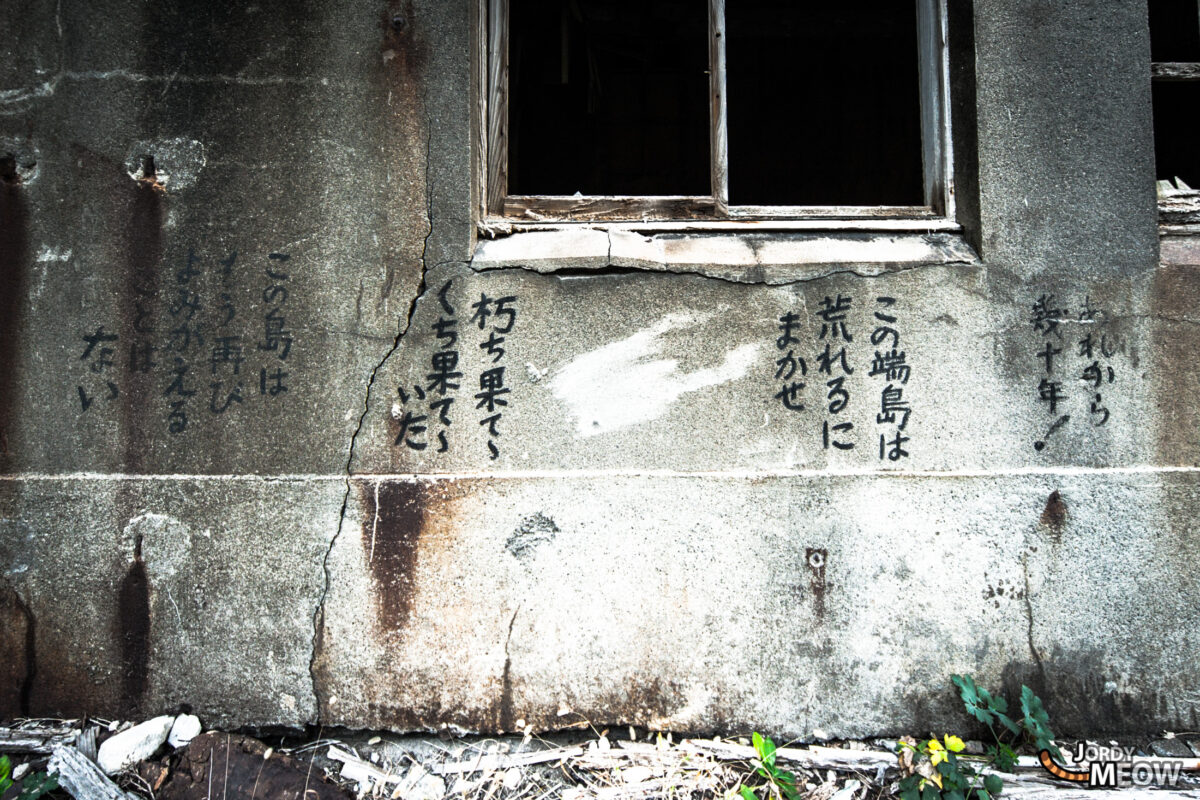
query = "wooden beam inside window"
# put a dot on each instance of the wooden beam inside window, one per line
(935, 122)
(552, 207)
(497, 183)
(719, 159)
(1175, 71)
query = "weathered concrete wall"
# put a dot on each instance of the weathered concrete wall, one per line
(255, 499)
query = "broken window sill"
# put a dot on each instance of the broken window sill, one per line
(735, 253)
(1178, 208)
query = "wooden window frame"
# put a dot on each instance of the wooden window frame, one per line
(497, 206)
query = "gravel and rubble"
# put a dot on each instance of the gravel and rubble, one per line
(170, 758)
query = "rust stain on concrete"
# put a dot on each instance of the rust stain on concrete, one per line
(144, 209)
(1054, 515)
(391, 537)
(401, 80)
(14, 264)
(18, 658)
(816, 558)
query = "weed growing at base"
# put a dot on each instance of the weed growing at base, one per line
(934, 770)
(779, 784)
(35, 785)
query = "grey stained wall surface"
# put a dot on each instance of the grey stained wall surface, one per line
(241, 469)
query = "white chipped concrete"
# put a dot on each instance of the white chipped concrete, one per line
(177, 161)
(623, 383)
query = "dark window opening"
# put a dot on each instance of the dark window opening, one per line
(1176, 154)
(1174, 30)
(824, 103)
(693, 109)
(608, 97)
(1175, 92)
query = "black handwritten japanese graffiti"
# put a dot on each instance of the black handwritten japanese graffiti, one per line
(191, 335)
(425, 407)
(835, 365)
(1066, 342)
(890, 364)
(491, 380)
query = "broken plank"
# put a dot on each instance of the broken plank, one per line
(83, 779)
(35, 740)
(489, 762)
(813, 757)
(818, 757)
(360, 771)
(1062, 791)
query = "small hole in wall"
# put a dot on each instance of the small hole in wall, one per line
(149, 172)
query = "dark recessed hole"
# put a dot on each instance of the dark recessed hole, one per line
(149, 172)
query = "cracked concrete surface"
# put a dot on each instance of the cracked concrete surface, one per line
(300, 566)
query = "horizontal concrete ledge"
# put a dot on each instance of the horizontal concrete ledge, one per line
(615, 473)
(743, 255)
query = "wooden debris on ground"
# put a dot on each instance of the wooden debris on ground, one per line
(82, 777)
(235, 766)
(37, 736)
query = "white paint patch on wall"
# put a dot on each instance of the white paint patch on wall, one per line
(622, 383)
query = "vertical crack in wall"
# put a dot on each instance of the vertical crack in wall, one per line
(506, 699)
(319, 613)
(1033, 651)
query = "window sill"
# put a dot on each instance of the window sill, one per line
(741, 252)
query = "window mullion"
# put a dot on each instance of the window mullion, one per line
(931, 33)
(497, 114)
(719, 156)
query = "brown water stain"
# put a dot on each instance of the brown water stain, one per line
(400, 77)
(18, 658)
(391, 536)
(816, 558)
(14, 266)
(1054, 515)
(401, 45)
(143, 205)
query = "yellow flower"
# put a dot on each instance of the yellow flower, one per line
(953, 743)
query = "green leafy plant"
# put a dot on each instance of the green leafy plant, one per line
(777, 783)
(935, 770)
(991, 710)
(35, 785)
(938, 772)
